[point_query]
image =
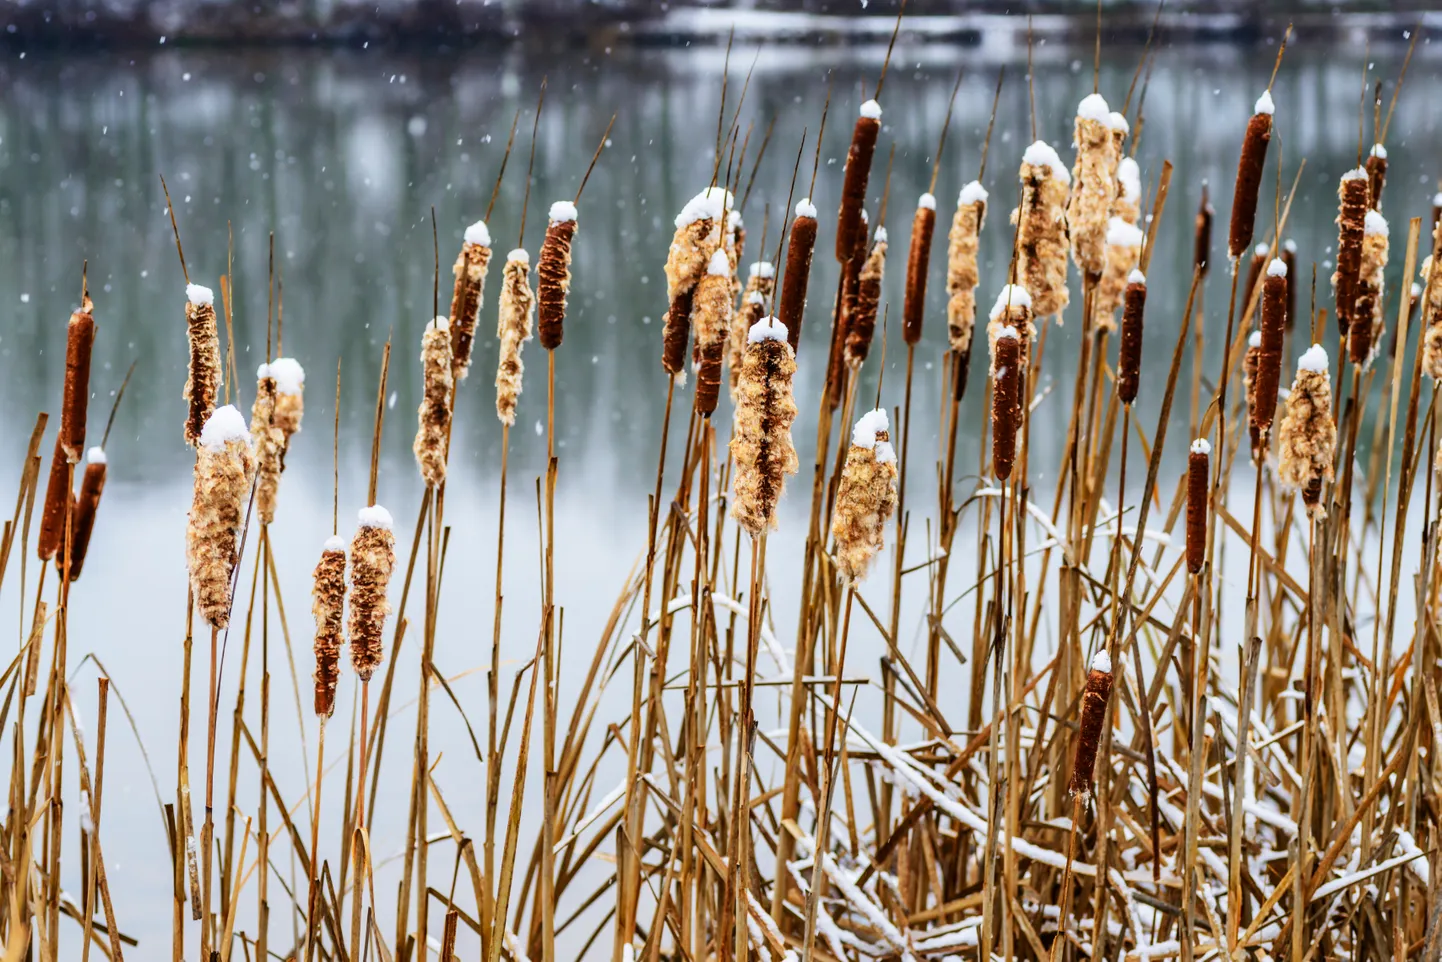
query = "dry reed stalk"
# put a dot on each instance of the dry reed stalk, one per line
(553, 273)
(224, 465)
(268, 442)
(1089, 727)
(858, 173)
(861, 327)
(1351, 228)
(1269, 350)
(761, 439)
(1249, 176)
(1129, 353)
(470, 272)
(962, 273)
(1202, 234)
(711, 316)
(1042, 229)
(1123, 254)
(56, 505)
(866, 498)
(92, 486)
(1307, 439)
(799, 249)
(1198, 475)
(433, 417)
(1093, 184)
(1289, 257)
(1365, 327)
(1432, 323)
(918, 261)
(760, 286)
(513, 329)
(202, 385)
(328, 607)
(79, 343)
(373, 558)
(1006, 372)
(1376, 167)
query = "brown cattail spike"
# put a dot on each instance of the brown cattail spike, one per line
(760, 285)
(202, 386)
(1351, 228)
(1129, 355)
(1123, 254)
(224, 466)
(700, 233)
(1249, 176)
(866, 498)
(962, 272)
(1376, 174)
(1432, 321)
(434, 415)
(1042, 229)
(57, 502)
(918, 259)
(1308, 436)
(1365, 327)
(1093, 184)
(1251, 363)
(92, 486)
(269, 444)
(373, 558)
(1202, 240)
(858, 173)
(553, 273)
(1198, 477)
(1261, 254)
(513, 329)
(470, 271)
(711, 316)
(1289, 257)
(761, 438)
(79, 341)
(328, 607)
(1093, 717)
(862, 327)
(799, 248)
(1006, 362)
(1269, 354)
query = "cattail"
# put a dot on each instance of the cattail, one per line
(1129, 355)
(674, 332)
(918, 260)
(1351, 228)
(1124, 253)
(470, 271)
(1198, 477)
(1289, 257)
(760, 285)
(553, 273)
(866, 498)
(1251, 362)
(1093, 717)
(328, 606)
(841, 325)
(1013, 308)
(1128, 203)
(1308, 435)
(373, 558)
(224, 464)
(1202, 239)
(1006, 362)
(1261, 254)
(962, 273)
(1094, 185)
(1249, 176)
(79, 340)
(513, 329)
(1436, 211)
(1269, 356)
(268, 443)
(862, 326)
(434, 415)
(858, 172)
(1432, 319)
(735, 247)
(698, 235)
(202, 386)
(1376, 166)
(1042, 229)
(57, 503)
(711, 317)
(761, 438)
(799, 248)
(289, 397)
(92, 486)
(1366, 322)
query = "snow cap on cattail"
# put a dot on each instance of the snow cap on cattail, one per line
(1249, 176)
(553, 273)
(202, 385)
(1089, 727)
(1042, 228)
(1376, 166)
(373, 559)
(470, 270)
(866, 498)
(1269, 349)
(1198, 477)
(289, 379)
(1123, 254)
(223, 468)
(1308, 435)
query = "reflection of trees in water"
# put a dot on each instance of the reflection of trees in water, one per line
(343, 152)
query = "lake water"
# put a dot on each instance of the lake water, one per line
(343, 153)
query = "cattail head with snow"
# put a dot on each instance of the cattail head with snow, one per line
(866, 498)
(962, 272)
(699, 233)
(289, 395)
(79, 342)
(799, 248)
(918, 260)
(760, 285)
(513, 329)
(1376, 166)
(1006, 371)
(1042, 229)
(761, 437)
(553, 273)
(373, 559)
(1123, 254)
(861, 328)
(470, 270)
(268, 442)
(1093, 184)
(202, 386)
(711, 316)
(328, 607)
(1129, 355)
(92, 486)
(434, 414)
(1351, 228)
(1365, 326)
(1089, 726)
(858, 173)
(1308, 436)
(1199, 467)
(1269, 354)
(1128, 203)
(1249, 176)
(223, 467)
(1432, 322)
(1013, 308)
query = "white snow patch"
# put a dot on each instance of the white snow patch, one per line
(289, 375)
(224, 424)
(1129, 176)
(880, 237)
(1254, 339)
(1375, 224)
(1116, 121)
(804, 208)
(562, 211)
(972, 193)
(763, 269)
(1356, 173)
(198, 295)
(871, 110)
(766, 329)
(1013, 295)
(927, 201)
(334, 543)
(1122, 234)
(1102, 661)
(1379, 152)
(885, 453)
(1314, 359)
(95, 456)
(1007, 333)
(374, 517)
(1137, 277)
(710, 204)
(1264, 104)
(519, 256)
(1094, 107)
(1277, 268)
(1041, 154)
(720, 264)
(1201, 446)
(440, 323)
(868, 426)
(479, 234)
(755, 298)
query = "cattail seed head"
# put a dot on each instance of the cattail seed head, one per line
(434, 415)
(962, 273)
(1308, 435)
(1351, 228)
(56, 505)
(1202, 239)
(1006, 365)
(760, 285)
(1289, 257)
(866, 498)
(79, 341)
(1129, 355)
(1042, 229)
(1251, 363)
(844, 317)
(373, 559)
(553, 273)
(513, 329)
(1093, 184)
(1432, 319)
(1269, 357)
(862, 326)
(858, 172)
(224, 465)
(698, 235)
(289, 396)
(799, 249)
(1123, 254)
(268, 442)
(202, 386)
(92, 486)
(675, 330)
(711, 316)
(1093, 717)
(918, 259)
(1376, 167)
(1198, 477)
(470, 270)
(328, 607)
(1013, 308)
(761, 437)
(1261, 254)
(1128, 202)
(1249, 176)
(1365, 327)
